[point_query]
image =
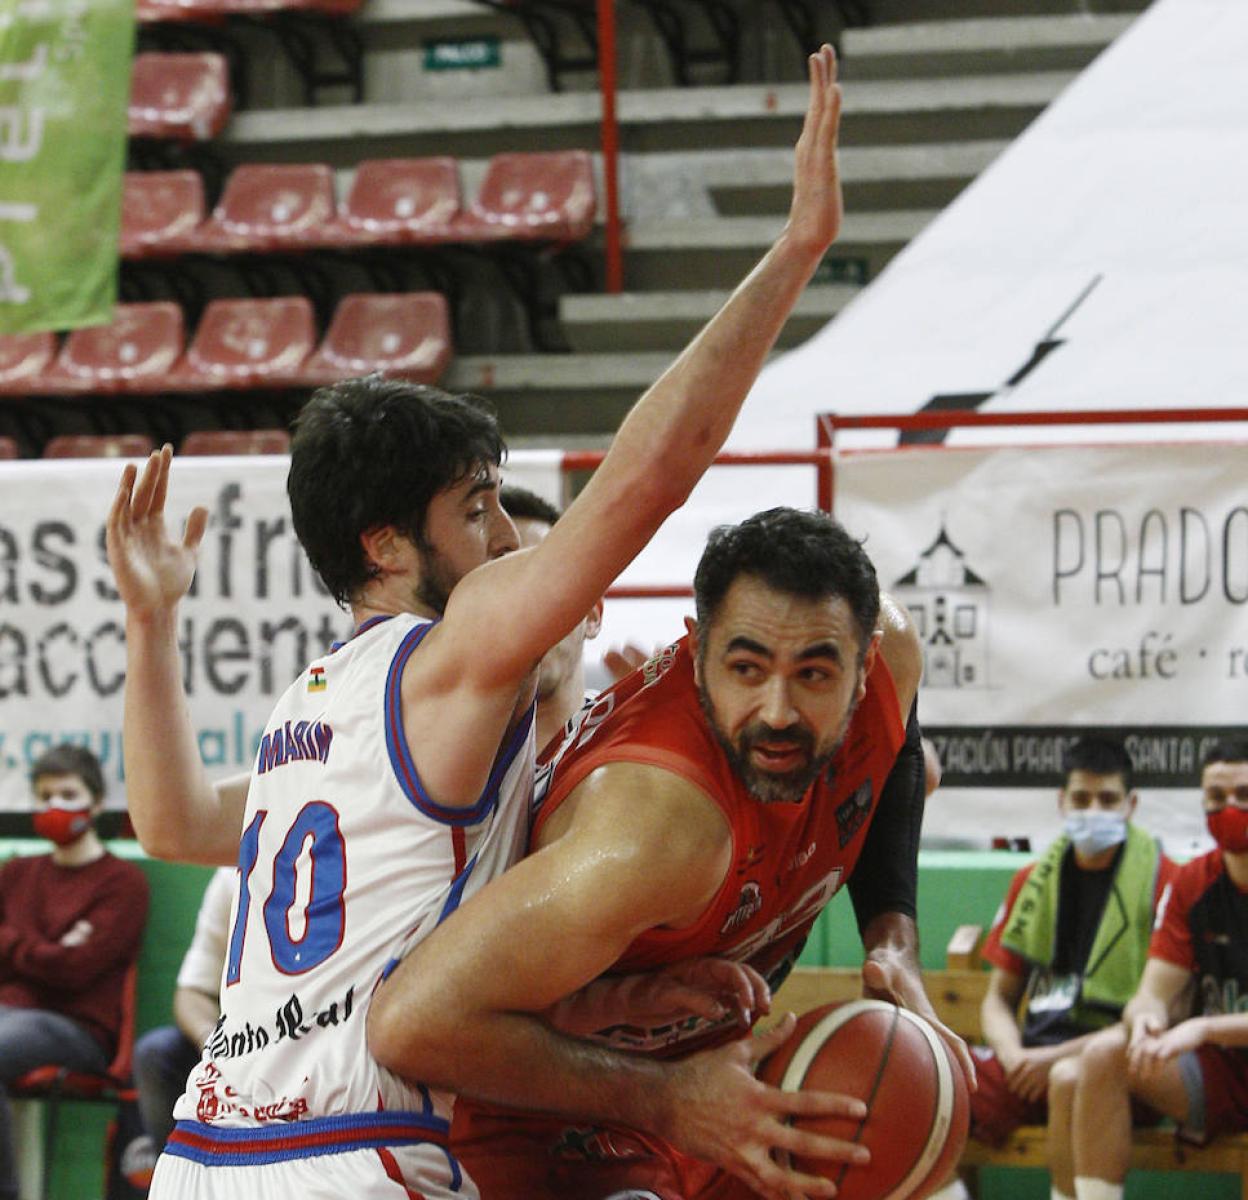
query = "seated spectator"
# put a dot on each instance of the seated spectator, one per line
(1070, 943)
(70, 926)
(1193, 1069)
(163, 1057)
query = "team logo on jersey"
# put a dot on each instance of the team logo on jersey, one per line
(748, 903)
(853, 814)
(653, 669)
(316, 680)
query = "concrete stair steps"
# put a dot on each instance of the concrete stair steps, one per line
(1058, 42)
(666, 321)
(708, 254)
(873, 177)
(545, 396)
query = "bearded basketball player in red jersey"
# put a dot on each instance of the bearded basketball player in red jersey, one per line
(711, 803)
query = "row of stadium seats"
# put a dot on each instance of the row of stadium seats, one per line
(136, 445)
(238, 344)
(537, 197)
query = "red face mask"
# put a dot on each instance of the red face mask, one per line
(62, 825)
(1229, 828)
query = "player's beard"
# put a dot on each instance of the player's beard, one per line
(774, 787)
(437, 578)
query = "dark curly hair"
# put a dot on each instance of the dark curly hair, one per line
(806, 554)
(372, 452)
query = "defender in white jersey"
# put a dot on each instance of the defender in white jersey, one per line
(405, 762)
(334, 779)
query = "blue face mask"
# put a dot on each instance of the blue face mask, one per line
(1094, 831)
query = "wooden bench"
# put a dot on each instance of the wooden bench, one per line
(956, 993)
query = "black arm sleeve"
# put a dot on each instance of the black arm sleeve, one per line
(886, 876)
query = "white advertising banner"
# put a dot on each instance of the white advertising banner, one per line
(255, 616)
(1059, 590)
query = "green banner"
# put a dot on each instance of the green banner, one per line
(64, 91)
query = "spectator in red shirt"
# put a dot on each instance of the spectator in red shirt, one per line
(70, 926)
(1069, 943)
(1191, 1068)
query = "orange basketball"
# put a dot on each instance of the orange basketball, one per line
(918, 1107)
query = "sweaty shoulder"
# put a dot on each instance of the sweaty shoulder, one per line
(656, 817)
(901, 650)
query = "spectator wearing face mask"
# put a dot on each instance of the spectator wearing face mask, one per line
(1069, 943)
(70, 926)
(1182, 1046)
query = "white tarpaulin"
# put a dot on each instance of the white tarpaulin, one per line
(1100, 263)
(255, 616)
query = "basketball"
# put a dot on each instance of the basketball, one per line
(918, 1107)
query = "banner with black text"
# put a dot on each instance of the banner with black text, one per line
(1059, 590)
(255, 616)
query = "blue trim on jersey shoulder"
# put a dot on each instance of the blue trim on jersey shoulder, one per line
(213, 1147)
(456, 893)
(405, 773)
(362, 627)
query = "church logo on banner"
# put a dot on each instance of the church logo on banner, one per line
(948, 602)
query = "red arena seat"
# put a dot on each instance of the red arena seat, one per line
(159, 209)
(545, 196)
(236, 441)
(132, 353)
(403, 336)
(184, 97)
(248, 343)
(54, 1084)
(99, 445)
(23, 359)
(268, 207)
(399, 200)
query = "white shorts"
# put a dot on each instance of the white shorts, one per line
(285, 1163)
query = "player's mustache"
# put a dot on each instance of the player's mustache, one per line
(792, 735)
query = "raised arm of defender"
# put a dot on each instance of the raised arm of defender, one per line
(526, 603)
(176, 811)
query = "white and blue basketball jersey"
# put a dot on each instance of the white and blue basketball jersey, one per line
(344, 864)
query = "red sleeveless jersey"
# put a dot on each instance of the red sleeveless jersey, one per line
(788, 859)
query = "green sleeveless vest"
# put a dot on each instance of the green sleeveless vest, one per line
(1120, 948)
